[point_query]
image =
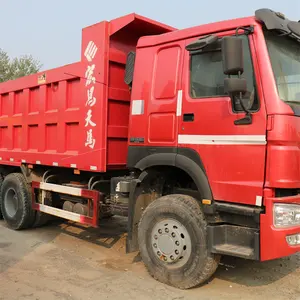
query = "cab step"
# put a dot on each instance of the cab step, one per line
(234, 240)
(234, 250)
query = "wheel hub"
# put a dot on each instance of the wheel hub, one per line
(165, 244)
(170, 241)
(11, 202)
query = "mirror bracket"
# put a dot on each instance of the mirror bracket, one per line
(247, 120)
(246, 30)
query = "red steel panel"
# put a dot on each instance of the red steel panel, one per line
(77, 115)
(273, 240)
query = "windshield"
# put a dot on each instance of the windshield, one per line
(285, 59)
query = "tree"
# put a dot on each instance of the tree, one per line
(17, 67)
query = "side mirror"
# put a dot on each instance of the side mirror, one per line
(201, 43)
(234, 86)
(237, 87)
(232, 54)
(233, 65)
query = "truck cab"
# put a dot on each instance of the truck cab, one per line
(239, 152)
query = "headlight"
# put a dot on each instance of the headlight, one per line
(286, 215)
(293, 240)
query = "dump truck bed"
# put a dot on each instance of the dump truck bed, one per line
(75, 116)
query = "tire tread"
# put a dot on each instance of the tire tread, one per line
(28, 215)
(1, 181)
(211, 261)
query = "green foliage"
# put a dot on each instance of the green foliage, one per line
(17, 67)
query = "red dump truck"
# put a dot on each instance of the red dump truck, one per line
(192, 134)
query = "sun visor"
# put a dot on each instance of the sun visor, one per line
(278, 22)
(294, 27)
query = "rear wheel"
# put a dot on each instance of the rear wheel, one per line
(172, 241)
(41, 218)
(15, 202)
(1, 181)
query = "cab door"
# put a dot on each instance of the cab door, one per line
(233, 155)
(166, 80)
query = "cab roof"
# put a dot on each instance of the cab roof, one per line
(177, 35)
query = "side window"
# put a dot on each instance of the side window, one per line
(207, 77)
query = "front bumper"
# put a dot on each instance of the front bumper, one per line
(273, 242)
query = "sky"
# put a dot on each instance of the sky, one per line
(51, 30)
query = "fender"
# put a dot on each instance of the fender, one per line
(196, 173)
(187, 160)
(157, 159)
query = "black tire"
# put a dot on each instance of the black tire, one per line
(41, 219)
(199, 265)
(105, 215)
(1, 181)
(21, 215)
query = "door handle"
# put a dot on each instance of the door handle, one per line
(188, 117)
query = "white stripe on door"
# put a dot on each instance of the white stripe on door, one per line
(258, 201)
(179, 103)
(222, 139)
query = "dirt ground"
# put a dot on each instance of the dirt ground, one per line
(69, 261)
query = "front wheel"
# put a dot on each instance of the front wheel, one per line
(172, 241)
